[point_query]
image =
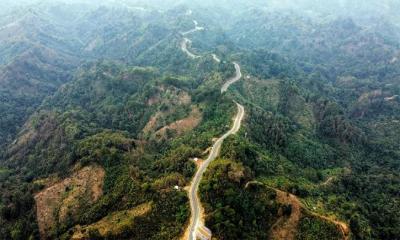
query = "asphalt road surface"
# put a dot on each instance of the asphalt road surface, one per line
(195, 203)
(234, 79)
(184, 47)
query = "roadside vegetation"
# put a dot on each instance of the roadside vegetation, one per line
(318, 149)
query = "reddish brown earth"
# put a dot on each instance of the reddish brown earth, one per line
(55, 203)
(181, 126)
(286, 226)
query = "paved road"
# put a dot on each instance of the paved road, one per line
(195, 29)
(234, 79)
(216, 58)
(196, 223)
(186, 41)
(195, 203)
(184, 47)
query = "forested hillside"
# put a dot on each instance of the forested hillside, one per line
(105, 118)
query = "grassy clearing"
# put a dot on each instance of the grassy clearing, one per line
(113, 224)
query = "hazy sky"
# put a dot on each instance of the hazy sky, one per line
(355, 8)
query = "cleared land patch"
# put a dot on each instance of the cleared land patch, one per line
(112, 224)
(61, 200)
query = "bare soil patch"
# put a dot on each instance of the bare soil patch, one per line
(286, 226)
(61, 200)
(181, 126)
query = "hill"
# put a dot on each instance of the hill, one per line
(104, 117)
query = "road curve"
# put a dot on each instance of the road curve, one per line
(234, 79)
(184, 47)
(195, 29)
(196, 222)
(195, 203)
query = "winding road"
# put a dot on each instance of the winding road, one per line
(184, 47)
(234, 79)
(186, 41)
(196, 226)
(195, 204)
(195, 29)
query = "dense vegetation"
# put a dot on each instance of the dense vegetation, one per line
(103, 85)
(237, 210)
